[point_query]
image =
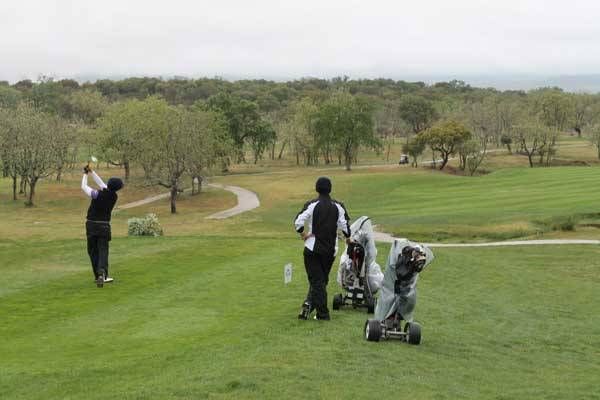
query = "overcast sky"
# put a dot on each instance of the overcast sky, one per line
(280, 39)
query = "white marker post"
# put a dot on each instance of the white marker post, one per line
(287, 273)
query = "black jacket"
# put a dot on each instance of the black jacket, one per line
(324, 216)
(101, 207)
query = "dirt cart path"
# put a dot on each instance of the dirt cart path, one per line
(387, 238)
(246, 201)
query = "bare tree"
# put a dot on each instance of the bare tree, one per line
(594, 137)
(532, 138)
(209, 146)
(64, 142)
(40, 135)
(10, 148)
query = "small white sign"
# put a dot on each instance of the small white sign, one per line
(287, 273)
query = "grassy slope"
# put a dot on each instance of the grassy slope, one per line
(205, 314)
(193, 317)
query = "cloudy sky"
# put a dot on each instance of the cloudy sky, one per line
(280, 39)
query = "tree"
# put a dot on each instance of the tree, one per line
(582, 111)
(48, 96)
(116, 141)
(167, 141)
(445, 138)
(472, 155)
(594, 137)
(173, 145)
(297, 129)
(10, 147)
(192, 142)
(483, 124)
(414, 148)
(417, 111)
(9, 97)
(244, 122)
(85, 105)
(262, 138)
(506, 113)
(64, 145)
(128, 130)
(345, 122)
(210, 144)
(532, 138)
(554, 109)
(389, 125)
(24, 85)
(506, 140)
(40, 138)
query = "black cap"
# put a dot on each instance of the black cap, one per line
(323, 185)
(114, 184)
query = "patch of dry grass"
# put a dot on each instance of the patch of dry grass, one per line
(60, 210)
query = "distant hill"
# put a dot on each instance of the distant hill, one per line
(569, 83)
(589, 83)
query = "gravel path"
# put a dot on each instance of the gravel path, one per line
(246, 199)
(387, 238)
(144, 201)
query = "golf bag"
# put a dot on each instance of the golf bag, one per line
(399, 290)
(359, 275)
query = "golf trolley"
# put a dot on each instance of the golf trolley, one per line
(391, 329)
(357, 291)
(359, 275)
(398, 297)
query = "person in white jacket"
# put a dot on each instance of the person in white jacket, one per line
(324, 216)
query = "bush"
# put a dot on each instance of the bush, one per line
(559, 223)
(145, 226)
(564, 224)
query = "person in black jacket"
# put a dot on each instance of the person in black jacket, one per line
(324, 217)
(97, 225)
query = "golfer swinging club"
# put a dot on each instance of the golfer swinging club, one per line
(97, 225)
(324, 217)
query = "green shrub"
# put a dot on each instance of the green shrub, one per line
(566, 224)
(145, 226)
(559, 223)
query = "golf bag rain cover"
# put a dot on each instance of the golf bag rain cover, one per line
(399, 291)
(362, 234)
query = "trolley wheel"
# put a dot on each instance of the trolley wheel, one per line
(372, 330)
(413, 332)
(371, 304)
(338, 301)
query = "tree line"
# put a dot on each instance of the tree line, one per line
(178, 128)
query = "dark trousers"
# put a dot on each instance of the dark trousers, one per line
(318, 267)
(98, 236)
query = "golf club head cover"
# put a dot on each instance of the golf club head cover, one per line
(414, 258)
(410, 262)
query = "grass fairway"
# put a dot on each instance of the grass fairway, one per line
(193, 317)
(433, 206)
(203, 312)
